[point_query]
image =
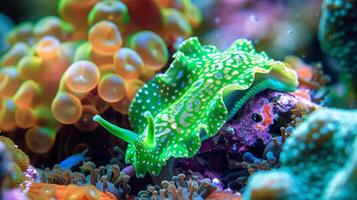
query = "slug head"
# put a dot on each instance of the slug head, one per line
(141, 146)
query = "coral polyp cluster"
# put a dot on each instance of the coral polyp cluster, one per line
(64, 192)
(17, 161)
(180, 187)
(9, 190)
(95, 56)
(20, 181)
(105, 178)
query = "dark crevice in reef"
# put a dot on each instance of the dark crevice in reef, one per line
(282, 120)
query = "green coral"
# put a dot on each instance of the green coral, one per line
(319, 161)
(191, 101)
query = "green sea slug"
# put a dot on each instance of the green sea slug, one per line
(190, 102)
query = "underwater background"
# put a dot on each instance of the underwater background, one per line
(178, 99)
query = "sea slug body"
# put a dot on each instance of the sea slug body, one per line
(190, 102)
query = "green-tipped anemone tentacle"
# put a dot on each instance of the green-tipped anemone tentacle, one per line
(126, 135)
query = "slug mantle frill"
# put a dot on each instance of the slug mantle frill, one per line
(190, 102)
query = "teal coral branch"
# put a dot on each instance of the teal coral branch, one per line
(318, 161)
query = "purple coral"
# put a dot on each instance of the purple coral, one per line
(256, 122)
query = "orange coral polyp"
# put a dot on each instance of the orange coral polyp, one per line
(66, 108)
(128, 63)
(111, 10)
(26, 94)
(21, 33)
(76, 12)
(9, 81)
(25, 117)
(105, 37)
(48, 47)
(7, 115)
(111, 88)
(85, 52)
(175, 24)
(29, 67)
(132, 87)
(151, 48)
(15, 54)
(53, 26)
(40, 139)
(82, 76)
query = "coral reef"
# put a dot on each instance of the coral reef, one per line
(181, 187)
(64, 70)
(338, 32)
(20, 181)
(19, 163)
(202, 89)
(269, 158)
(318, 161)
(310, 76)
(244, 144)
(42, 191)
(12, 178)
(259, 119)
(224, 195)
(186, 120)
(338, 39)
(5, 166)
(105, 178)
